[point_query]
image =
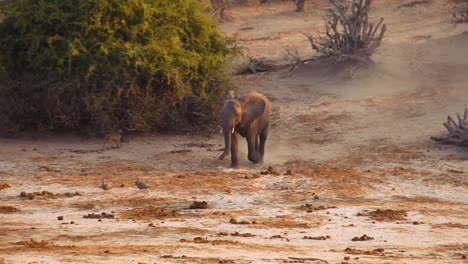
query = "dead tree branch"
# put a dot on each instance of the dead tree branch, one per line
(457, 133)
(348, 32)
(460, 13)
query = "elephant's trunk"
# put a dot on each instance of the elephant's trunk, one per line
(227, 141)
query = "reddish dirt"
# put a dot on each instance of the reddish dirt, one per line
(349, 154)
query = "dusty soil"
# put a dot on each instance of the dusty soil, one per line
(349, 152)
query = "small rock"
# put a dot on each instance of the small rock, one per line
(346, 258)
(60, 218)
(105, 185)
(362, 238)
(199, 205)
(141, 185)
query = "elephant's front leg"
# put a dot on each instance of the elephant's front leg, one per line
(234, 149)
(252, 143)
(263, 138)
(257, 144)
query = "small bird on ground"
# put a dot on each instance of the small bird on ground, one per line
(105, 186)
(141, 185)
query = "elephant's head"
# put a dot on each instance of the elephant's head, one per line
(239, 111)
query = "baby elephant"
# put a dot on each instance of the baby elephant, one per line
(248, 116)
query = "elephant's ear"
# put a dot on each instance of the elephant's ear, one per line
(253, 109)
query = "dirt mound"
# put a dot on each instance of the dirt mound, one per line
(5, 209)
(149, 213)
(35, 244)
(47, 194)
(386, 215)
(4, 186)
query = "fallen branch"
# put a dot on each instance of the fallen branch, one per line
(413, 3)
(457, 133)
(308, 259)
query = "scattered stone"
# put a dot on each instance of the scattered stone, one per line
(141, 185)
(289, 172)
(317, 237)
(222, 234)
(199, 205)
(107, 252)
(417, 223)
(151, 225)
(60, 218)
(271, 170)
(280, 237)
(105, 185)
(362, 238)
(99, 216)
(354, 251)
(309, 208)
(316, 197)
(347, 257)
(200, 240)
(242, 235)
(235, 222)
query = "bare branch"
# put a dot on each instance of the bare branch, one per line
(348, 32)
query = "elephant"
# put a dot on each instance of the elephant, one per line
(248, 116)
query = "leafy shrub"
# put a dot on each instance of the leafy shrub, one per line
(99, 65)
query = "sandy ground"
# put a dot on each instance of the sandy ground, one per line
(349, 148)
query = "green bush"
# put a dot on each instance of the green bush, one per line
(99, 65)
